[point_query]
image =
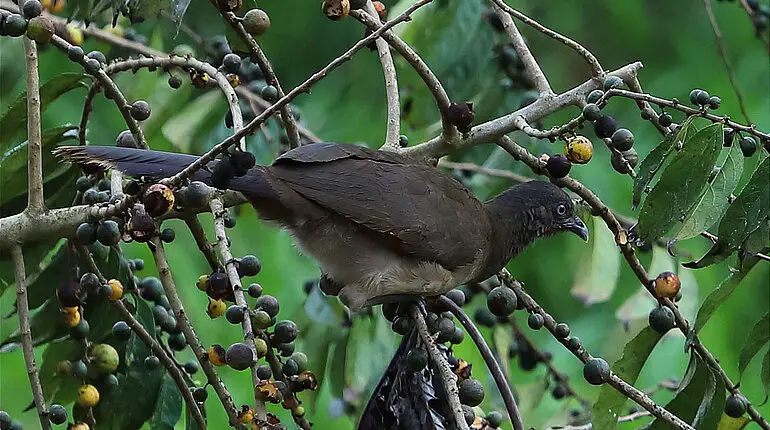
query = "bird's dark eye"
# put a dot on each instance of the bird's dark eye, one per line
(561, 210)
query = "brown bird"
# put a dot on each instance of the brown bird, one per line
(381, 226)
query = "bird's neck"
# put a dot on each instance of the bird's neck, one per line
(515, 225)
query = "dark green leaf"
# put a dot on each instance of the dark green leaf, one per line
(58, 187)
(58, 388)
(719, 295)
(610, 403)
(13, 122)
(597, 277)
(46, 324)
(13, 162)
(687, 401)
(680, 184)
(728, 423)
(758, 337)
(712, 405)
(36, 256)
(743, 217)
(654, 160)
(55, 271)
(336, 377)
(168, 410)
(757, 240)
(715, 199)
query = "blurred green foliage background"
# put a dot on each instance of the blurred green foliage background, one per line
(674, 41)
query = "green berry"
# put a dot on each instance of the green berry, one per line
(622, 139)
(403, 141)
(665, 119)
(290, 367)
(125, 140)
(152, 362)
(78, 369)
(714, 102)
(264, 372)
(15, 25)
(269, 93)
(191, 367)
(494, 418)
(594, 96)
(468, 414)
(92, 66)
(748, 146)
(535, 321)
(591, 112)
(90, 282)
(301, 359)
(174, 82)
(612, 82)
(231, 63)
(471, 392)
(416, 359)
(262, 320)
(401, 325)
(177, 341)
(661, 319)
(229, 221)
(256, 22)
(596, 371)
(98, 56)
(457, 296)
(457, 337)
(5, 420)
(255, 290)
(75, 53)
(703, 98)
(695, 95)
(83, 183)
(501, 301)
(160, 314)
(151, 288)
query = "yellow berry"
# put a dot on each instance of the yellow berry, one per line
(71, 319)
(579, 150)
(76, 35)
(216, 308)
(667, 284)
(202, 282)
(53, 6)
(117, 289)
(246, 414)
(217, 355)
(88, 396)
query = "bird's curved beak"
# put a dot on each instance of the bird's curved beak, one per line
(575, 225)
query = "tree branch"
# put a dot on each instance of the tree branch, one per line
(447, 376)
(22, 308)
(624, 419)
(489, 359)
(35, 198)
(164, 272)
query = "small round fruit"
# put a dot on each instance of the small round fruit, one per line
(89, 282)
(416, 359)
(535, 321)
(31, 9)
(558, 166)
(631, 157)
(695, 96)
(40, 29)
(728, 135)
(457, 296)
(85, 234)
(605, 126)
(457, 337)
(190, 367)
(501, 301)
(494, 418)
(235, 313)
(158, 200)
(5, 420)
(735, 406)
(177, 341)
(665, 119)
(618, 162)
(174, 82)
(594, 96)
(239, 356)
(336, 10)
(231, 63)
(14, 25)
(168, 235)
(579, 150)
(748, 146)
(290, 367)
(255, 290)
(249, 266)
(484, 317)
(88, 396)
(108, 233)
(667, 284)
(714, 102)
(152, 362)
(72, 319)
(471, 392)
(401, 325)
(229, 220)
(262, 320)
(116, 289)
(81, 330)
(622, 139)
(200, 394)
(561, 330)
(703, 98)
(256, 22)
(216, 355)
(121, 330)
(78, 369)
(596, 371)
(105, 358)
(151, 288)
(261, 346)
(268, 304)
(661, 319)
(612, 82)
(216, 308)
(592, 112)
(468, 414)
(160, 315)
(285, 331)
(140, 110)
(269, 93)
(197, 195)
(56, 413)
(92, 66)
(98, 56)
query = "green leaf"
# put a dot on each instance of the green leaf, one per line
(712, 405)
(719, 295)
(758, 337)
(764, 374)
(185, 129)
(168, 410)
(680, 184)
(13, 122)
(757, 240)
(715, 199)
(58, 388)
(749, 210)
(13, 162)
(688, 400)
(728, 423)
(45, 324)
(337, 376)
(54, 270)
(654, 160)
(610, 402)
(596, 278)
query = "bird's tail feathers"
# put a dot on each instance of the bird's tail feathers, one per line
(133, 162)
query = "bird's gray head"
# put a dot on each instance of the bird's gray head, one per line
(538, 209)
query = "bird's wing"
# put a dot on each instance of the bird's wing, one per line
(433, 216)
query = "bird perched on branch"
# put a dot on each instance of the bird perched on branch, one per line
(382, 226)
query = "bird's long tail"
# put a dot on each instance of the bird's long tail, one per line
(154, 165)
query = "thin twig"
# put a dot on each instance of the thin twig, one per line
(615, 381)
(533, 70)
(472, 167)
(164, 273)
(35, 198)
(445, 371)
(277, 368)
(593, 63)
(752, 16)
(725, 58)
(489, 359)
(259, 119)
(22, 309)
(624, 419)
(235, 281)
(391, 86)
(168, 362)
